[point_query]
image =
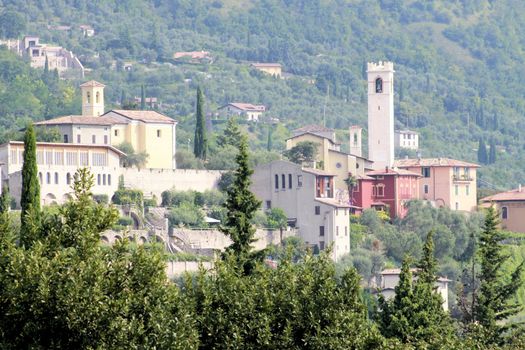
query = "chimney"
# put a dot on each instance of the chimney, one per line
(386, 169)
(519, 188)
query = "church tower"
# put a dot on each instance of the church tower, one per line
(92, 99)
(355, 140)
(381, 114)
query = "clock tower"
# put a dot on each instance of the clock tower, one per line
(381, 114)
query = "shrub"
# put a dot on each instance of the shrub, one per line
(101, 198)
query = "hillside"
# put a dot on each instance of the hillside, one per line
(458, 64)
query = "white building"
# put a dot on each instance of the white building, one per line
(307, 196)
(407, 139)
(390, 279)
(355, 141)
(381, 114)
(249, 111)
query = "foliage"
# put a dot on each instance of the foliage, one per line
(101, 198)
(231, 135)
(276, 218)
(30, 196)
(303, 152)
(131, 158)
(293, 248)
(125, 221)
(200, 141)
(186, 214)
(226, 180)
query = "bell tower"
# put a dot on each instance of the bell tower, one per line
(92, 98)
(355, 140)
(381, 114)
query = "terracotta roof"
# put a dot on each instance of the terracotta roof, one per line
(430, 162)
(392, 172)
(512, 195)
(92, 83)
(79, 119)
(144, 116)
(299, 134)
(247, 106)
(413, 270)
(76, 145)
(192, 54)
(407, 132)
(262, 65)
(333, 202)
(314, 128)
(317, 172)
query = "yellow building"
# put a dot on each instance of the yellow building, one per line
(511, 208)
(329, 155)
(147, 131)
(446, 182)
(274, 69)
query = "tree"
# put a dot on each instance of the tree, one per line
(5, 204)
(303, 152)
(132, 159)
(241, 205)
(142, 97)
(12, 24)
(200, 147)
(30, 196)
(269, 141)
(482, 152)
(232, 134)
(492, 152)
(496, 290)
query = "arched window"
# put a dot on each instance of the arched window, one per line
(97, 97)
(283, 179)
(109, 179)
(276, 181)
(88, 97)
(98, 179)
(379, 85)
(504, 213)
(48, 178)
(68, 178)
(40, 177)
(56, 178)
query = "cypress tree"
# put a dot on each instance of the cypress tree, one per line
(5, 203)
(269, 142)
(142, 97)
(482, 152)
(122, 98)
(492, 152)
(201, 142)
(30, 196)
(241, 205)
(496, 289)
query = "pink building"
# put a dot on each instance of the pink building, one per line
(387, 190)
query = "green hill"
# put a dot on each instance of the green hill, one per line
(458, 64)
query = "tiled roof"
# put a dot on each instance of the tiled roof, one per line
(313, 128)
(192, 54)
(317, 172)
(413, 270)
(406, 131)
(430, 162)
(92, 83)
(512, 195)
(144, 116)
(392, 172)
(79, 119)
(262, 65)
(247, 106)
(333, 202)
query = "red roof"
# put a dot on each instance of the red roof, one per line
(144, 116)
(247, 106)
(432, 162)
(79, 120)
(388, 172)
(192, 54)
(313, 128)
(92, 83)
(333, 202)
(512, 195)
(317, 172)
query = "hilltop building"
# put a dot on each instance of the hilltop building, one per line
(248, 111)
(407, 139)
(308, 198)
(511, 208)
(445, 182)
(274, 69)
(193, 57)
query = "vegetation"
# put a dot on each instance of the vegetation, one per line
(200, 143)
(303, 152)
(131, 158)
(30, 196)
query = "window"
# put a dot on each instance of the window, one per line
(456, 190)
(79, 138)
(109, 179)
(84, 158)
(425, 189)
(40, 177)
(40, 157)
(321, 230)
(14, 156)
(425, 172)
(66, 138)
(374, 190)
(98, 179)
(56, 178)
(268, 204)
(289, 180)
(457, 206)
(49, 157)
(456, 172)
(71, 158)
(99, 159)
(380, 190)
(466, 172)
(159, 133)
(467, 190)
(336, 211)
(116, 132)
(105, 139)
(88, 97)
(104, 179)
(48, 178)
(317, 210)
(97, 97)
(504, 213)
(276, 181)
(299, 180)
(321, 245)
(346, 230)
(68, 178)
(379, 85)
(283, 179)
(59, 158)
(337, 230)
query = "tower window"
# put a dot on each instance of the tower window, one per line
(158, 133)
(276, 181)
(116, 132)
(379, 85)
(97, 97)
(283, 179)
(88, 97)
(504, 213)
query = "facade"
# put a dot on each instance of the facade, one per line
(248, 111)
(445, 182)
(274, 69)
(390, 279)
(511, 208)
(407, 139)
(355, 141)
(381, 114)
(388, 190)
(146, 131)
(307, 197)
(57, 163)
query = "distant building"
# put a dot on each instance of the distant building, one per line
(355, 141)
(511, 208)
(388, 190)
(151, 102)
(274, 69)
(307, 196)
(407, 139)
(193, 56)
(248, 111)
(87, 30)
(445, 182)
(390, 279)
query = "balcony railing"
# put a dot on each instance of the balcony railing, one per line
(462, 178)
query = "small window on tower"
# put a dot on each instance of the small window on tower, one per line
(88, 97)
(97, 97)
(379, 85)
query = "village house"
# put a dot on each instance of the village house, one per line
(87, 30)
(511, 208)
(308, 198)
(248, 111)
(407, 139)
(274, 69)
(445, 182)
(193, 57)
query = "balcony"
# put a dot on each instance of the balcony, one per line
(462, 178)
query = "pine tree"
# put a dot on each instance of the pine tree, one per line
(269, 142)
(482, 152)
(30, 196)
(232, 134)
(142, 97)
(492, 152)
(5, 203)
(496, 289)
(201, 142)
(241, 205)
